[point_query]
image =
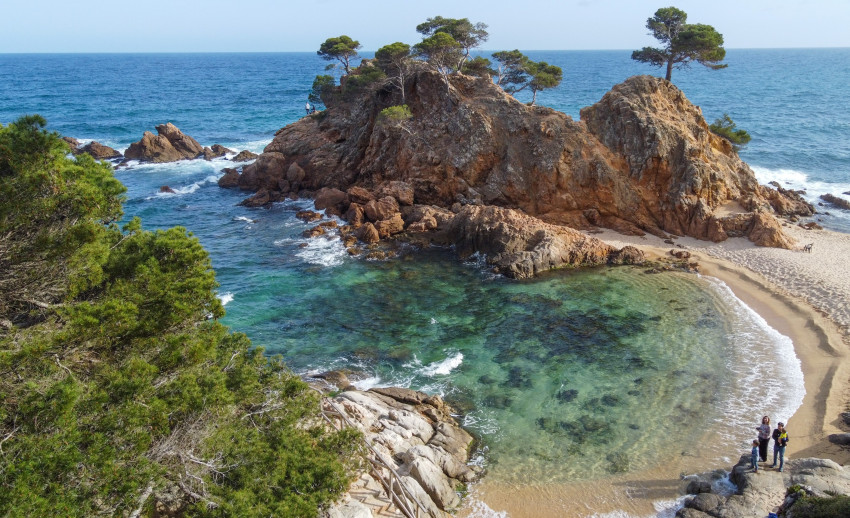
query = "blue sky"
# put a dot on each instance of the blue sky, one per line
(287, 25)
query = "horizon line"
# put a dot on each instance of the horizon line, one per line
(365, 51)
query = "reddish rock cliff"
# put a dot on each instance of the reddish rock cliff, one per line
(641, 160)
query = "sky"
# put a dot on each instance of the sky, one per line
(298, 26)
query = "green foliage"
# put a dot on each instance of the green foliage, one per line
(342, 49)
(322, 90)
(681, 42)
(512, 75)
(814, 507)
(440, 51)
(517, 72)
(466, 34)
(395, 60)
(361, 78)
(395, 114)
(725, 127)
(543, 76)
(479, 66)
(127, 390)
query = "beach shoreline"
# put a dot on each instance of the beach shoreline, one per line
(803, 296)
(781, 286)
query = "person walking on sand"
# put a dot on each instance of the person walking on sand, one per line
(780, 441)
(754, 456)
(764, 437)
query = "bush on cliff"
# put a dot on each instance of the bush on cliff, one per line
(121, 392)
(725, 127)
(816, 507)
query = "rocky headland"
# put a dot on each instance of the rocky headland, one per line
(473, 162)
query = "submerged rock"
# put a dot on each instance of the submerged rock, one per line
(244, 156)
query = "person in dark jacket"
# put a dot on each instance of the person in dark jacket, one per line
(780, 441)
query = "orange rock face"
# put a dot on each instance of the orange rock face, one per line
(642, 159)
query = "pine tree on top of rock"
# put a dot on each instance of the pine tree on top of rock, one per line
(682, 42)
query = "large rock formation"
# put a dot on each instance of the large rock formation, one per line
(170, 145)
(641, 160)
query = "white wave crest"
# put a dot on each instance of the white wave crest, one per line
(243, 218)
(443, 367)
(225, 298)
(798, 180)
(322, 251)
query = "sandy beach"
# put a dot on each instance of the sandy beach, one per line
(804, 296)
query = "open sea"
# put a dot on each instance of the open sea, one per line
(576, 377)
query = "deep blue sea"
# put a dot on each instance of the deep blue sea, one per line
(574, 376)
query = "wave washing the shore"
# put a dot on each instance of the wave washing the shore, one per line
(828, 215)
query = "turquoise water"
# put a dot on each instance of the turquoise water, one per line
(575, 375)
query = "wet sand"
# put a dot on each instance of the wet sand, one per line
(805, 296)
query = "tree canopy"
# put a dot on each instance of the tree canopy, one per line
(517, 72)
(342, 48)
(468, 35)
(441, 51)
(681, 42)
(394, 59)
(119, 389)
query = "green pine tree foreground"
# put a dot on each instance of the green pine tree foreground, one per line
(119, 389)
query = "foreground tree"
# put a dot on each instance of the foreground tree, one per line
(725, 127)
(468, 35)
(682, 42)
(394, 59)
(342, 48)
(119, 388)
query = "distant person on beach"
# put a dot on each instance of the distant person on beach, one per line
(764, 437)
(754, 456)
(780, 441)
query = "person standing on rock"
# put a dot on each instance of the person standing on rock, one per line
(754, 456)
(780, 441)
(307, 107)
(764, 437)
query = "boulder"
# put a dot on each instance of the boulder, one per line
(333, 201)
(401, 191)
(308, 216)
(360, 195)
(73, 143)
(520, 246)
(166, 189)
(216, 151)
(170, 145)
(99, 152)
(435, 483)
(259, 199)
(390, 226)
(355, 215)
(244, 156)
(230, 178)
(841, 203)
(367, 233)
(384, 208)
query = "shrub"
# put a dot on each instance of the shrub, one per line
(395, 114)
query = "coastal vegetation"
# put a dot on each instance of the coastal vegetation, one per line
(726, 128)
(121, 392)
(682, 43)
(446, 47)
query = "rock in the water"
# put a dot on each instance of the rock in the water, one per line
(216, 151)
(519, 245)
(230, 178)
(73, 143)
(244, 156)
(835, 200)
(166, 189)
(170, 145)
(100, 152)
(368, 234)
